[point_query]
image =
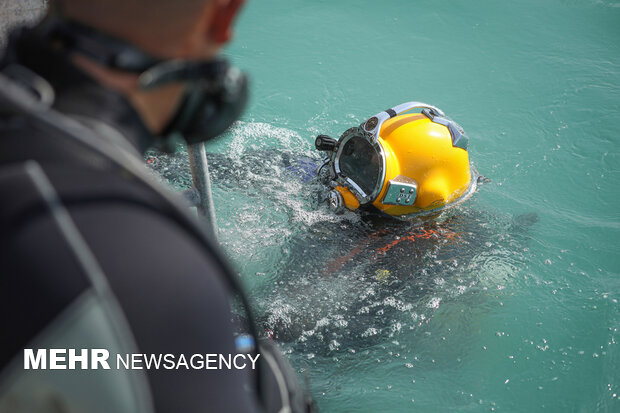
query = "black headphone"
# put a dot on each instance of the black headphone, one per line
(215, 95)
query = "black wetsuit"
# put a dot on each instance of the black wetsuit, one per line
(171, 288)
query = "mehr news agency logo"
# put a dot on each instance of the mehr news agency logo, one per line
(99, 358)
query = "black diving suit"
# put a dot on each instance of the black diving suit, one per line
(95, 256)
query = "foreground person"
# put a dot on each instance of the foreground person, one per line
(97, 257)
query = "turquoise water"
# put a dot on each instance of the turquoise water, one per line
(520, 320)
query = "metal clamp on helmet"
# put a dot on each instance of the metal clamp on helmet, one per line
(459, 139)
(374, 123)
(400, 161)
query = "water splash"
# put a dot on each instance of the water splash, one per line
(329, 283)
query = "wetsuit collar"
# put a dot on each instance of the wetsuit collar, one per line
(77, 94)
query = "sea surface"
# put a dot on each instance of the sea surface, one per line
(512, 302)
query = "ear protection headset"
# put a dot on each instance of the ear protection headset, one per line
(215, 95)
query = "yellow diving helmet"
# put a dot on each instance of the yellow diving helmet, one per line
(405, 160)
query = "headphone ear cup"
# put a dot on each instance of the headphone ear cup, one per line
(208, 109)
(229, 104)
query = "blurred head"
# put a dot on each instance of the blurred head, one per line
(178, 87)
(188, 29)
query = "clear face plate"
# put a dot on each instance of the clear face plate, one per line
(362, 175)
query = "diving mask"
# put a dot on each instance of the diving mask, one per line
(402, 161)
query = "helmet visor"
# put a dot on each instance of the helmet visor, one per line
(361, 163)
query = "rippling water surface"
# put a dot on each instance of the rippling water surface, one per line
(508, 302)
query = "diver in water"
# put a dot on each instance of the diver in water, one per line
(401, 241)
(400, 169)
(404, 173)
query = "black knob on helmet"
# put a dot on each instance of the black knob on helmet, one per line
(325, 143)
